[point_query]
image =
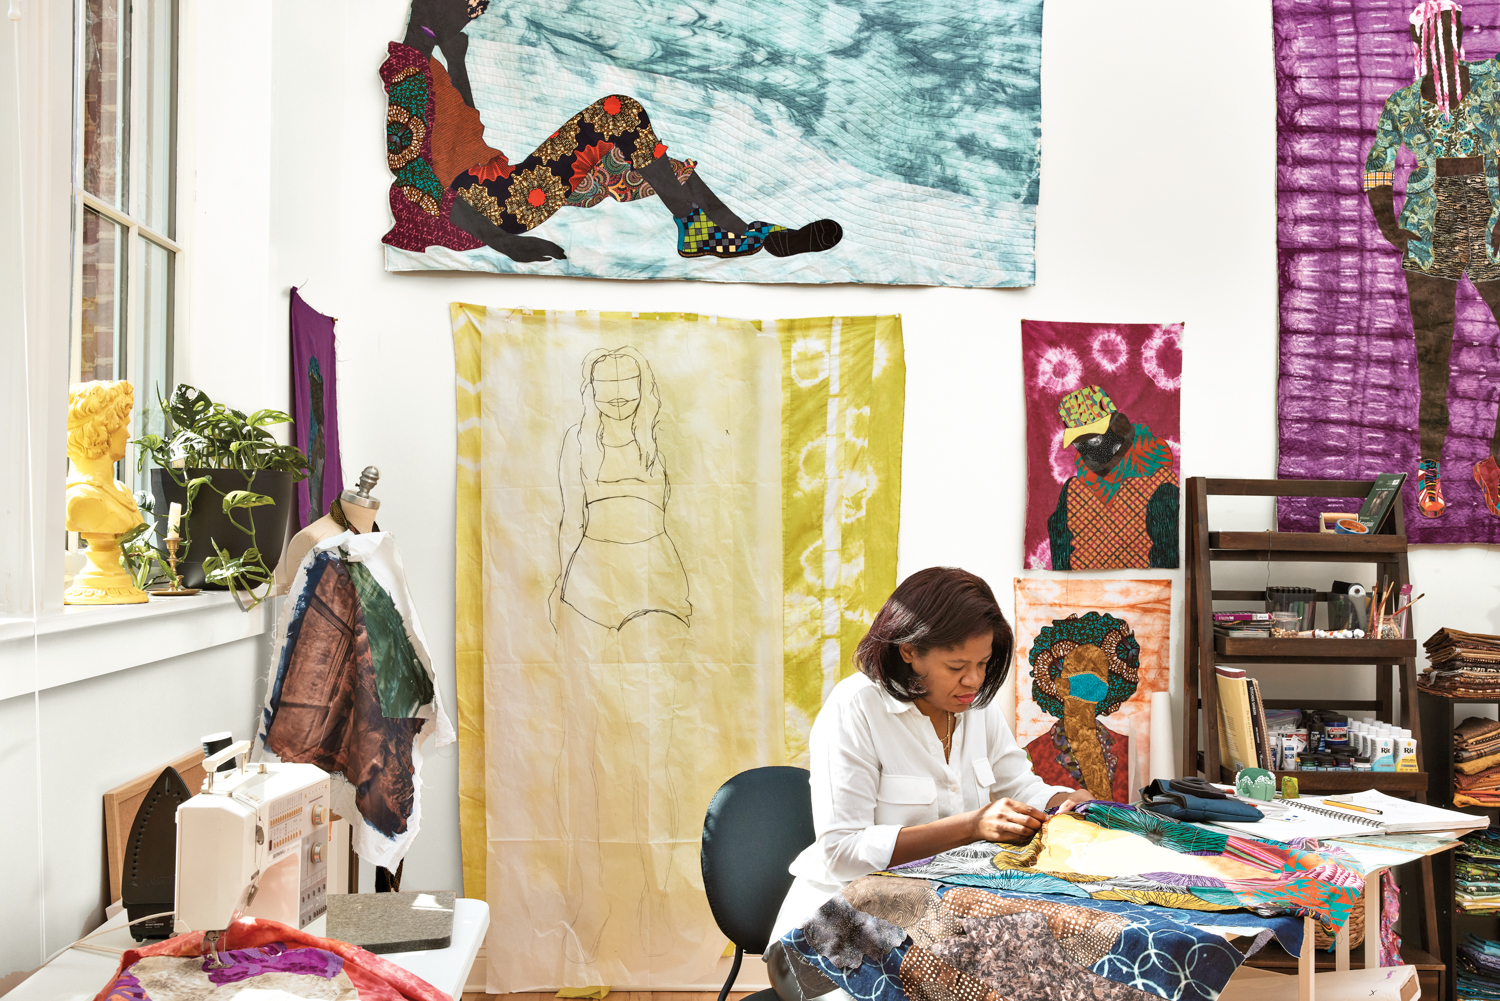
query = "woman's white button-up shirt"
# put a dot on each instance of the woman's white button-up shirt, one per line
(877, 766)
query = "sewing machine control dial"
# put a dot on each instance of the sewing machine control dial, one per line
(317, 814)
(317, 853)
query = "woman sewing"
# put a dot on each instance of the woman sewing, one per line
(911, 757)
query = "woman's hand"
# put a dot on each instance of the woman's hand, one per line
(1007, 820)
(1064, 802)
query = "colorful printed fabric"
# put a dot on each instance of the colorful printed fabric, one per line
(597, 152)
(1090, 654)
(843, 392)
(1349, 396)
(1408, 122)
(884, 939)
(1085, 410)
(419, 201)
(1077, 377)
(351, 689)
(263, 956)
(315, 409)
(947, 149)
(1118, 853)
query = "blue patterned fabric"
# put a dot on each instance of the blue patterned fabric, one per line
(915, 128)
(1161, 950)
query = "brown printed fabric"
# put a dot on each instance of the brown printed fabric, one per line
(326, 710)
(971, 945)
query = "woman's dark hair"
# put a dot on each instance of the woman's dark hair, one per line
(936, 607)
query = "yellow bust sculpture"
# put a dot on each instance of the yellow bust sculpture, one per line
(100, 509)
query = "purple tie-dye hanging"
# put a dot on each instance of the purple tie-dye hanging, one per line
(1355, 138)
(315, 411)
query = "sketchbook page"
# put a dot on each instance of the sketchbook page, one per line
(1297, 823)
(1399, 816)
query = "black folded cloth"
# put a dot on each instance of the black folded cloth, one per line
(1195, 799)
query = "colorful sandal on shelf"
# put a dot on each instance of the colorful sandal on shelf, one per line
(699, 236)
(1487, 475)
(1429, 489)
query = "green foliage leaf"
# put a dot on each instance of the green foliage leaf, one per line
(236, 499)
(135, 533)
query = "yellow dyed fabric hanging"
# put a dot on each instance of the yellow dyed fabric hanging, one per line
(843, 382)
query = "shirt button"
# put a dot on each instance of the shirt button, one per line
(953, 787)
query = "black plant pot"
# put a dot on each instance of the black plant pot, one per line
(207, 521)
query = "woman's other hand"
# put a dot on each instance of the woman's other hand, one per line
(1064, 802)
(1007, 820)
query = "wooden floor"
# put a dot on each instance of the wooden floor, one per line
(619, 996)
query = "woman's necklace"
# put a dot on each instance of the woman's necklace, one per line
(948, 740)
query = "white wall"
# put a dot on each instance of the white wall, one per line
(1157, 204)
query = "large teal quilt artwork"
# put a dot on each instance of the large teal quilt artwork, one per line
(882, 141)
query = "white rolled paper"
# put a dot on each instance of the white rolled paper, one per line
(1163, 742)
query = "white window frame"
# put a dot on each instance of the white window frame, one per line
(134, 230)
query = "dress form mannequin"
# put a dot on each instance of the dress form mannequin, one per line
(353, 511)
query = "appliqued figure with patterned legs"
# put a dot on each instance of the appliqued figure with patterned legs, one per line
(453, 190)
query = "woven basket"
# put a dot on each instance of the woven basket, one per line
(1323, 941)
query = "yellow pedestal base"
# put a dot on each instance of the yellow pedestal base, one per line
(104, 581)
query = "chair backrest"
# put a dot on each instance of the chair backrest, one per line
(757, 823)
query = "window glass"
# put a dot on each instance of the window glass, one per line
(106, 98)
(157, 290)
(155, 80)
(99, 352)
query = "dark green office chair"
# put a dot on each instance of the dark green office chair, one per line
(757, 823)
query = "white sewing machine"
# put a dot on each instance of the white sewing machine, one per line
(254, 842)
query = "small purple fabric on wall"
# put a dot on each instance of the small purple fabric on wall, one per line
(1348, 392)
(315, 411)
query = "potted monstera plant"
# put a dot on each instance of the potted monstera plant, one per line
(235, 484)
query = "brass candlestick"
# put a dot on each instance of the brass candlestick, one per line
(176, 590)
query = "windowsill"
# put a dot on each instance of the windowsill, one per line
(87, 641)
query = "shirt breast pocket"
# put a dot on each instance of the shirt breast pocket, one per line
(906, 800)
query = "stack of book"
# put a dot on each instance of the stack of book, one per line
(1243, 625)
(1244, 737)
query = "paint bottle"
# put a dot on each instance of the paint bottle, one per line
(1289, 752)
(1361, 764)
(1406, 757)
(1384, 759)
(1337, 729)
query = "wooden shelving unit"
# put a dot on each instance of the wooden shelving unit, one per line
(1437, 718)
(1386, 550)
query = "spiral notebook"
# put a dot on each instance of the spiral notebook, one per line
(1313, 818)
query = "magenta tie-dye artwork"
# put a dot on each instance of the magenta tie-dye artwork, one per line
(1102, 444)
(1351, 384)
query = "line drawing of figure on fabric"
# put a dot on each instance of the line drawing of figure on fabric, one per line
(316, 445)
(608, 150)
(1083, 668)
(616, 561)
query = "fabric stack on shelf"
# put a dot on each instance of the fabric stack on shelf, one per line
(1463, 665)
(1478, 974)
(1476, 756)
(1476, 873)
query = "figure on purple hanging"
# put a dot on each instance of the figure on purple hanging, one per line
(453, 190)
(1449, 118)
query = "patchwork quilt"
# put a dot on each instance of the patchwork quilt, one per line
(1114, 903)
